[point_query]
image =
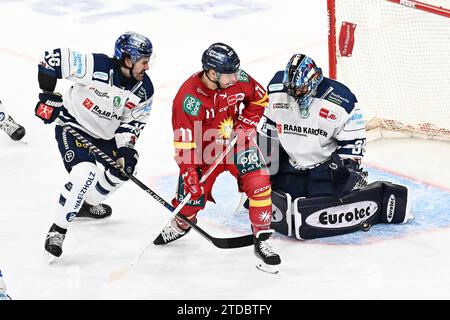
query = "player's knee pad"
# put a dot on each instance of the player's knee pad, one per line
(379, 202)
(82, 178)
(256, 184)
(106, 184)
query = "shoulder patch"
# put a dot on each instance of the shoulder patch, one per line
(191, 105)
(276, 84)
(337, 93)
(100, 76)
(243, 77)
(78, 62)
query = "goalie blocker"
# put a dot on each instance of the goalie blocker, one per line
(378, 202)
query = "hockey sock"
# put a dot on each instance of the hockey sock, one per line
(105, 186)
(260, 211)
(81, 179)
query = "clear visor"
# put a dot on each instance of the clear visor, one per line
(232, 75)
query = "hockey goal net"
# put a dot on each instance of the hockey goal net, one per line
(395, 56)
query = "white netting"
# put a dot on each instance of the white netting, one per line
(400, 65)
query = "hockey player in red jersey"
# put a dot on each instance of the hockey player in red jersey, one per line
(210, 108)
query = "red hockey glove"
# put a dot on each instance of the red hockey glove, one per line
(192, 184)
(48, 107)
(245, 128)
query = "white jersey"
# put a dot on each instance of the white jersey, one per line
(334, 122)
(100, 101)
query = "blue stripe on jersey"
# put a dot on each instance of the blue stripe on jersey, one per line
(343, 143)
(337, 93)
(276, 84)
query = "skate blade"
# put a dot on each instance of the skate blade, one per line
(267, 268)
(50, 258)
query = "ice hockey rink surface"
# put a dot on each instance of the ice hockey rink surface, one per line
(409, 261)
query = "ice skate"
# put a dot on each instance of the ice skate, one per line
(54, 241)
(171, 233)
(14, 130)
(268, 260)
(96, 212)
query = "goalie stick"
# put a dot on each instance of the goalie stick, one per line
(222, 243)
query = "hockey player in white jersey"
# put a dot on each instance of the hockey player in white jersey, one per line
(318, 123)
(319, 187)
(14, 130)
(109, 103)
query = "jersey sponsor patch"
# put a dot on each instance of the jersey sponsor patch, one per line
(327, 114)
(280, 105)
(88, 104)
(358, 119)
(191, 105)
(235, 98)
(243, 77)
(300, 130)
(78, 63)
(248, 160)
(276, 87)
(100, 76)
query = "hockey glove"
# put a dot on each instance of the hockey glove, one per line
(245, 128)
(347, 174)
(128, 158)
(192, 184)
(48, 107)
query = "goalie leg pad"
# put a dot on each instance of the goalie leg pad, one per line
(331, 216)
(282, 213)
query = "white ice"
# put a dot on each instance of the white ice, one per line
(265, 34)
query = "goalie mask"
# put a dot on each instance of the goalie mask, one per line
(301, 78)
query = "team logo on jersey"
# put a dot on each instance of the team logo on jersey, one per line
(191, 105)
(117, 102)
(327, 114)
(304, 112)
(225, 128)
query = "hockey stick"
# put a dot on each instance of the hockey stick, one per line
(222, 243)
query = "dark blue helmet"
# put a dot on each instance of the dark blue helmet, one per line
(221, 58)
(134, 45)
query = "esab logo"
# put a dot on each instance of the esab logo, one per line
(344, 216)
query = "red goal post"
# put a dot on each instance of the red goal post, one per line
(395, 56)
